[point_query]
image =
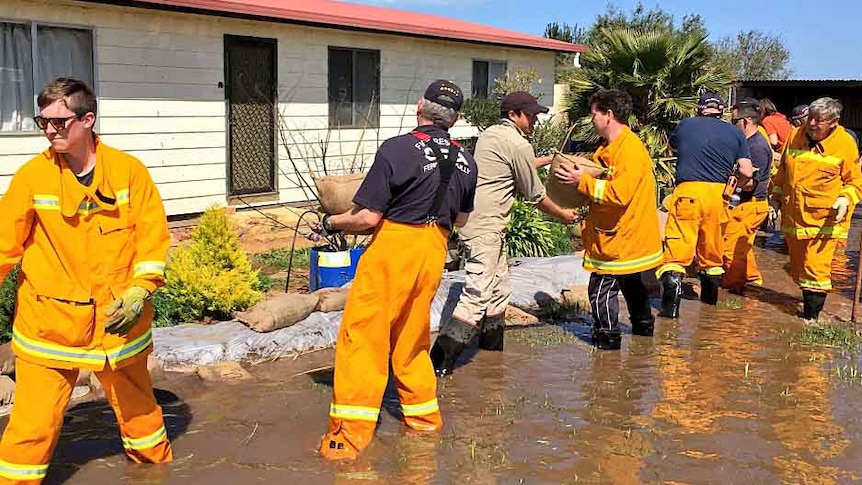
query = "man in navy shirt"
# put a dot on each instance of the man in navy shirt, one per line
(419, 186)
(739, 263)
(707, 149)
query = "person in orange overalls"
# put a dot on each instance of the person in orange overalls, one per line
(88, 227)
(817, 186)
(419, 186)
(707, 150)
(739, 264)
(621, 231)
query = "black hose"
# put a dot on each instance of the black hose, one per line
(293, 245)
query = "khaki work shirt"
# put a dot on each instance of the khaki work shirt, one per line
(506, 164)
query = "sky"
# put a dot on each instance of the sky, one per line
(824, 42)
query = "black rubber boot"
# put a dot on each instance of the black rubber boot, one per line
(454, 336)
(640, 313)
(605, 339)
(671, 293)
(812, 304)
(709, 285)
(491, 333)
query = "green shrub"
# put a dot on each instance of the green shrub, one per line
(529, 233)
(210, 276)
(8, 294)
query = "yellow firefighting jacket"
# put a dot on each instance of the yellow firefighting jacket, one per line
(809, 180)
(80, 248)
(621, 231)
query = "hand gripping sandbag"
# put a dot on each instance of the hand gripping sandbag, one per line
(336, 191)
(568, 196)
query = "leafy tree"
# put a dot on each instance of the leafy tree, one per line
(754, 55)
(664, 70)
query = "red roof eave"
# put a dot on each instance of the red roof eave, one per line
(328, 13)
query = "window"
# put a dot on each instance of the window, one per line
(485, 75)
(354, 88)
(58, 52)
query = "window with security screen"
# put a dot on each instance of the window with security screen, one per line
(33, 55)
(354, 88)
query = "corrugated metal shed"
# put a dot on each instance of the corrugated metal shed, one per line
(791, 92)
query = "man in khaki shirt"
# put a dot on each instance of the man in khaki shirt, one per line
(507, 164)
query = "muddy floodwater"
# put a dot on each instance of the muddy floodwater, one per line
(726, 394)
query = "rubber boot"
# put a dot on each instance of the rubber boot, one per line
(640, 312)
(491, 334)
(671, 293)
(709, 285)
(454, 336)
(812, 304)
(605, 339)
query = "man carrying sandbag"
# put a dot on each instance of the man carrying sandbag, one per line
(621, 231)
(507, 164)
(419, 186)
(709, 151)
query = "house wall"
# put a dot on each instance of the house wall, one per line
(158, 75)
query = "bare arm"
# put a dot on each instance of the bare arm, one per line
(358, 220)
(566, 216)
(540, 162)
(461, 219)
(746, 168)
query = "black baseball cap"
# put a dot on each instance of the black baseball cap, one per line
(710, 100)
(445, 93)
(799, 112)
(747, 102)
(522, 101)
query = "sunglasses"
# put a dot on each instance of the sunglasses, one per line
(59, 124)
(734, 121)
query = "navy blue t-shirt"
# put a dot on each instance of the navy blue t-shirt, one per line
(706, 149)
(404, 177)
(761, 158)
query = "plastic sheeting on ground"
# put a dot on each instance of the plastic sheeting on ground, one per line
(533, 280)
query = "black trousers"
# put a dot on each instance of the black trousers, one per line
(604, 291)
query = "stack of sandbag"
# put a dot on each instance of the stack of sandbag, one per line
(568, 196)
(336, 191)
(279, 311)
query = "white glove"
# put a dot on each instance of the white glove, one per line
(7, 390)
(841, 204)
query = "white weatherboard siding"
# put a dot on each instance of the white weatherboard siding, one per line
(158, 76)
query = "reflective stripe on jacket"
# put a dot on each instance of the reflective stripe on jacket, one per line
(810, 179)
(80, 248)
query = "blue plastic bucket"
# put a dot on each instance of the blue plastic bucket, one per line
(332, 269)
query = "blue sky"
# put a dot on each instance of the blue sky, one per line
(824, 42)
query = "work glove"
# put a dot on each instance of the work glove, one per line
(7, 390)
(125, 311)
(841, 204)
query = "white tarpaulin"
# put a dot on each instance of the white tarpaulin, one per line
(533, 280)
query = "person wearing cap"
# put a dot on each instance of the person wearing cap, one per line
(506, 166)
(708, 149)
(775, 123)
(621, 231)
(419, 186)
(818, 184)
(739, 263)
(799, 115)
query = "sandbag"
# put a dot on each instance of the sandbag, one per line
(336, 191)
(278, 312)
(568, 196)
(331, 299)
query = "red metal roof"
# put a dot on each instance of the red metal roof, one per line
(328, 13)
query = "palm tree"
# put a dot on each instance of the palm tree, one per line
(664, 72)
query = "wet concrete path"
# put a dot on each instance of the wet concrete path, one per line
(726, 394)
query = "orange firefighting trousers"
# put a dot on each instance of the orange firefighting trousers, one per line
(695, 224)
(387, 314)
(41, 396)
(740, 267)
(811, 262)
